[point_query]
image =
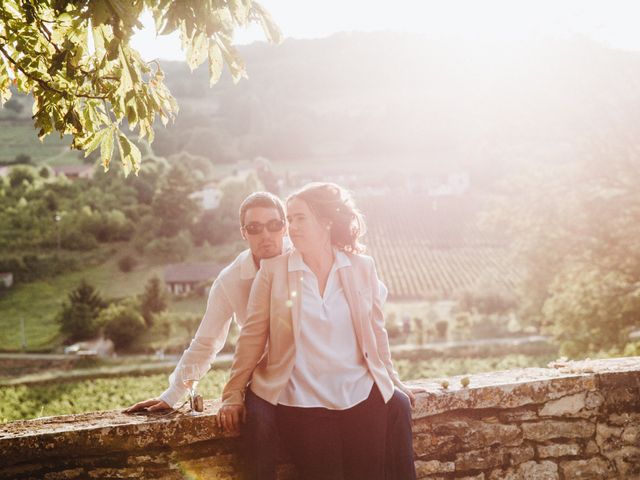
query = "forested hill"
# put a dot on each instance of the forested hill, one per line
(403, 99)
(400, 96)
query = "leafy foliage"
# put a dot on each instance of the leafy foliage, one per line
(122, 324)
(87, 80)
(576, 234)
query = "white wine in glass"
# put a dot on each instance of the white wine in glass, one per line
(190, 375)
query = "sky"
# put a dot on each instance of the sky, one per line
(612, 22)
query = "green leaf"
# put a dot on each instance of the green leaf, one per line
(106, 149)
(215, 63)
(197, 50)
(130, 156)
(92, 142)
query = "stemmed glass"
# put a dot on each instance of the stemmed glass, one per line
(190, 375)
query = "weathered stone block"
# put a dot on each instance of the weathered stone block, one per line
(593, 400)
(631, 435)
(625, 418)
(102, 473)
(595, 468)
(550, 429)
(479, 476)
(569, 405)
(433, 466)
(521, 454)
(544, 470)
(558, 450)
(65, 474)
(480, 459)
(627, 461)
(518, 415)
(456, 433)
(591, 449)
(430, 444)
(502, 474)
(608, 437)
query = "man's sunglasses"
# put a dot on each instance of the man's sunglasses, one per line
(255, 228)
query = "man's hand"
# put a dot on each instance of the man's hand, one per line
(151, 405)
(410, 392)
(229, 417)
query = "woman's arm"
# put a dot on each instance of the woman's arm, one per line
(253, 338)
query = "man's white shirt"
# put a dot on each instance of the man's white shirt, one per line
(227, 300)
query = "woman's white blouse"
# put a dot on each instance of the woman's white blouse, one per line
(329, 369)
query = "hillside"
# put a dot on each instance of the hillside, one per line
(382, 98)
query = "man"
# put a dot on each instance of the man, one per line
(262, 221)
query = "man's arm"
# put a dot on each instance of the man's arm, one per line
(207, 342)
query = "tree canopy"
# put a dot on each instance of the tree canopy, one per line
(75, 58)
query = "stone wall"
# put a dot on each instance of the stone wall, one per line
(573, 421)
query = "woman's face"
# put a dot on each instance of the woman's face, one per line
(307, 232)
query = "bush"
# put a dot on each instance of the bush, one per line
(174, 249)
(122, 324)
(127, 263)
(76, 240)
(29, 267)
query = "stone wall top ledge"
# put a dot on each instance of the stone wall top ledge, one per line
(116, 431)
(517, 388)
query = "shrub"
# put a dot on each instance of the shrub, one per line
(122, 324)
(127, 263)
(174, 249)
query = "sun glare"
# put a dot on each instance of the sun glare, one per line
(496, 22)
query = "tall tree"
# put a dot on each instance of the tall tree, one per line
(78, 316)
(153, 300)
(172, 204)
(75, 58)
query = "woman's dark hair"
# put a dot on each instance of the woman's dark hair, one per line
(331, 202)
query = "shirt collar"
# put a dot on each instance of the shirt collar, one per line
(297, 264)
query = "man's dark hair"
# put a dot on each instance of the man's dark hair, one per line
(261, 199)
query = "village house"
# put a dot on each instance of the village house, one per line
(183, 278)
(6, 279)
(74, 172)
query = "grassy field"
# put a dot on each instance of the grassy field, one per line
(23, 402)
(20, 137)
(37, 303)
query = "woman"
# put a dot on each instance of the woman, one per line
(317, 311)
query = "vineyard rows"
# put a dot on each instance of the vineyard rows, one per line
(433, 248)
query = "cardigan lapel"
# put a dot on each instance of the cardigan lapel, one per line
(348, 286)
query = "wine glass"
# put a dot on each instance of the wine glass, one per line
(190, 375)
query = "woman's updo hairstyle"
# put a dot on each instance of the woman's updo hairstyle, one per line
(331, 202)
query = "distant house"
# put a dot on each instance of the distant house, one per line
(73, 172)
(182, 278)
(208, 198)
(6, 279)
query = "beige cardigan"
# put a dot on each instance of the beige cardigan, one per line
(273, 316)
